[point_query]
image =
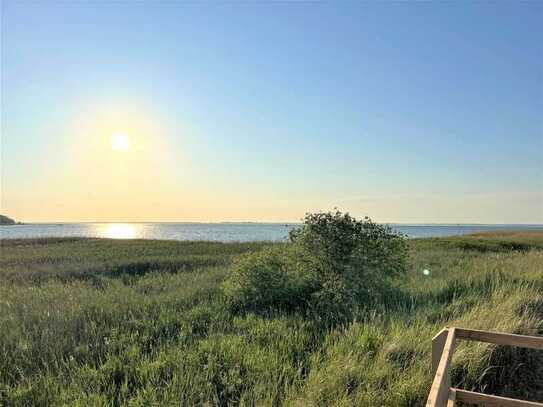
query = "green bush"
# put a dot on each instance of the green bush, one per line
(332, 265)
(263, 279)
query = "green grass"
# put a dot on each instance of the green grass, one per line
(104, 322)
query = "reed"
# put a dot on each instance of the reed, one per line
(109, 322)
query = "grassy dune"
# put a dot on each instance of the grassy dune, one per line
(103, 322)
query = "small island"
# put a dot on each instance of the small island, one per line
(4, 220)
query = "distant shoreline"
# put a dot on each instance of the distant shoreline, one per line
(268, 223)
(227, 232)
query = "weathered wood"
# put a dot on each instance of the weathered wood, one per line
(439, 393)
(438, 342)
(492, 401)
(451, 402)
(533, 342)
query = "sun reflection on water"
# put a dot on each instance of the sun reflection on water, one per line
(120, 231)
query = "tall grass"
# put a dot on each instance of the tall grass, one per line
(101, 322)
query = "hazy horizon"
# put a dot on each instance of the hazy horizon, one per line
(279, 222)
(410, 113)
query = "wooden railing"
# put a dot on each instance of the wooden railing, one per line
(442, 394)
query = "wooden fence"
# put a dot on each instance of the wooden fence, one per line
(442, 394)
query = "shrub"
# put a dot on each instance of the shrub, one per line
(332, 265)
(263, 279)
(351, 261)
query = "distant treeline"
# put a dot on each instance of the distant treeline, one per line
(4, 220)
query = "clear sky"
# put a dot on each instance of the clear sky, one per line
(406, 112)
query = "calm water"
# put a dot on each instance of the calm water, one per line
(224, 232)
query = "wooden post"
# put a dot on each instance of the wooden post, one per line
(438, 342)
(443, 344)
(441, 386)
(451, 402)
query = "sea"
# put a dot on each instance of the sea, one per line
(222, 232)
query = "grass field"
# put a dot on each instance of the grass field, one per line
(111, 322)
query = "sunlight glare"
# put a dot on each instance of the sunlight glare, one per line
(120, 142)
(120, 231)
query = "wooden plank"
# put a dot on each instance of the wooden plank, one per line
(451, 402)
(533, 342)
(439, 392)
(438, 342)
(492, 401)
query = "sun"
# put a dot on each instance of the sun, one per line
(120, 142)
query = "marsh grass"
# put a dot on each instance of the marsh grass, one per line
(103, 322)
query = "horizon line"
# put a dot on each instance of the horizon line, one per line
(22, 223)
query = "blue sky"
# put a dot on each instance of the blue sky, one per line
(407, 112)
